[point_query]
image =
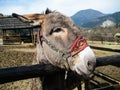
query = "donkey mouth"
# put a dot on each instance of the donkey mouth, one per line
(85, 75)
(85, 63)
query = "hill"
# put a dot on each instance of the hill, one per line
(104, 21)
(85, 16)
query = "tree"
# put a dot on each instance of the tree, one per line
(1, 15)
(117, 37)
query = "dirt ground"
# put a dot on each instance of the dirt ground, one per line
(16, 55)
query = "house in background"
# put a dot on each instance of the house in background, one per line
(16, 32)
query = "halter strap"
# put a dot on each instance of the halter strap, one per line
(79, 44)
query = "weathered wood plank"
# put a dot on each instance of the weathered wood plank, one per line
(25, 72)
(108, 60)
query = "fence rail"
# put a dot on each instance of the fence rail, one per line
(112, 84)
(106, 49)
(25, 72)
(108, 60)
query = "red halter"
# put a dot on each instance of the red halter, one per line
(79, 44)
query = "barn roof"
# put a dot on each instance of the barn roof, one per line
(13, 23)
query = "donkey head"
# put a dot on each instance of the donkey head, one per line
(62, 33)
(61, 38)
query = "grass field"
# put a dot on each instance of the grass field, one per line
(1, 40)
(105, 44)
(16, 55)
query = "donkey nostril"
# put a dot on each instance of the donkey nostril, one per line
(89, 64)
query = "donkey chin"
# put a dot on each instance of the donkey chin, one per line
(84, 63)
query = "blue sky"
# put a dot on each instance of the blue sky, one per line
(67, 7)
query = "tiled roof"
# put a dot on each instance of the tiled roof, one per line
(12, 23)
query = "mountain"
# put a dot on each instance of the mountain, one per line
(104, 21)
(85, 16)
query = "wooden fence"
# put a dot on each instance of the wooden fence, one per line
(40, 70)
(16, 39)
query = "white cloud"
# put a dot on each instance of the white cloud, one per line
(68, 7)
(12, 9)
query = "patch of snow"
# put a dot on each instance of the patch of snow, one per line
(108, 23)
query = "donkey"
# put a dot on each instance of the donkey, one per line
(60, 43)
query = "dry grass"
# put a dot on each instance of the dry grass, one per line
(103, 53)
(106, 44)
(1, 40)
(16, 55)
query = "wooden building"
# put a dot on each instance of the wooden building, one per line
(16, 31)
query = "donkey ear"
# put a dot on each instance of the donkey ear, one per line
(22, 18)
(48, 11)
(28, 20)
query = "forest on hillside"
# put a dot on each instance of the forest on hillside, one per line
(101, 34)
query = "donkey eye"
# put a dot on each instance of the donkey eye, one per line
(56, 30)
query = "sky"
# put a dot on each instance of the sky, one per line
(67, 7)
